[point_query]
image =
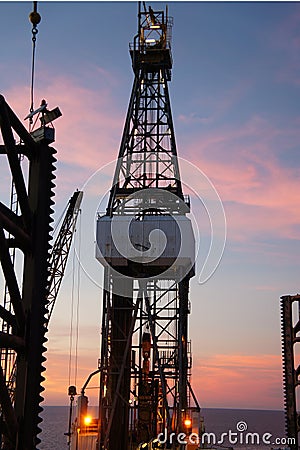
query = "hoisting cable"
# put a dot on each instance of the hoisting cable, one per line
(35, 19)
(75, 294)
(78, 298)
(72, 318)
(60, 218)
(72, 388)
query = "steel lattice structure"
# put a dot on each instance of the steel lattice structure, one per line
(25, 227)
(148, 156)
(290, 329)
(145, 352)
(60, 251)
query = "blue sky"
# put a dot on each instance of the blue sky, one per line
(235, 95)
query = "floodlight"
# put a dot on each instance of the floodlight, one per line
(50, 116)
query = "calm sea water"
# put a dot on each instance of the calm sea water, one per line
(219, 421)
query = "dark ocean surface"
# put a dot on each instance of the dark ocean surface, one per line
(218, 421)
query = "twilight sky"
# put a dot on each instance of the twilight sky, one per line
(235, 96)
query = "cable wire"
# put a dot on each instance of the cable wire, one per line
(71, 318)
(60, 219)
(78, 299)
(35, 19)
(74, 317)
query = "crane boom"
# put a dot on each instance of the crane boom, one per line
(60, 251)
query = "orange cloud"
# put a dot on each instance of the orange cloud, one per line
(57, 376)
(63, 367)
(227, 381)
(238, 381)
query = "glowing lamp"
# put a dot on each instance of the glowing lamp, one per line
(187, 423)
(87, 420)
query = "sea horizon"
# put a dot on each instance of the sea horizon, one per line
(220, 421)
(203, 407)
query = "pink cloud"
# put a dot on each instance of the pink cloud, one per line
(89, 132)
(260, 194)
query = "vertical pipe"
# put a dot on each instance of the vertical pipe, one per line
(119, 390)
(182, 356)
(103, 363)
(287, 331)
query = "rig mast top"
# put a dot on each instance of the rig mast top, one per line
(152, 45)
(148, 154)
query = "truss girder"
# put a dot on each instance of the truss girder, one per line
(161, 306)
(60, 251)
(148, 154)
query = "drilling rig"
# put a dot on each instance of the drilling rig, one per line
(146, 244)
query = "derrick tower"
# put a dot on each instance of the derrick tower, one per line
(145, 242)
